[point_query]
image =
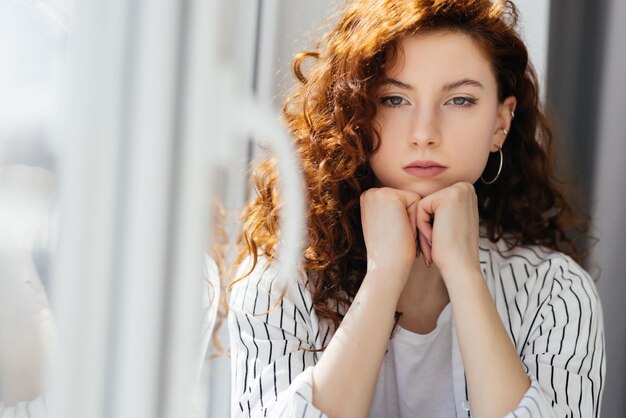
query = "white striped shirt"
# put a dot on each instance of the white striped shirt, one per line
(546, 301)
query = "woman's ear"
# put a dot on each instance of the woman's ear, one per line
(504, 120)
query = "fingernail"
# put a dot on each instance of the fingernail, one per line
(429, 243)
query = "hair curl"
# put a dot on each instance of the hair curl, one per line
(330, 118)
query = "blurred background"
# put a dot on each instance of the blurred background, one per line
(125, 133)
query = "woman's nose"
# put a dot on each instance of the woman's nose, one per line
(425, 129)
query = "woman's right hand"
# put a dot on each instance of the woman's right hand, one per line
(389, 222)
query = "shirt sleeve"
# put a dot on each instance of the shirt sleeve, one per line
(563, 350)
(211, 288)
(272, 343)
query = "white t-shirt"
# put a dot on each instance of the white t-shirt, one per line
(415, 378)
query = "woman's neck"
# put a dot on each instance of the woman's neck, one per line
(424, 297)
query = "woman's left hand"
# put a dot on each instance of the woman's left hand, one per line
(448, 218)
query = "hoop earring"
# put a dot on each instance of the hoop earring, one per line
(499, 169)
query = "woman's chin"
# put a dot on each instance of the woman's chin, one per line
(424, 190)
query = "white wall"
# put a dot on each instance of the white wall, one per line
(535, 30)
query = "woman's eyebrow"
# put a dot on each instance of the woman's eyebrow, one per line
(397, 83)
(464, 82)
(449, 86)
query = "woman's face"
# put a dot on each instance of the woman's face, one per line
(438, 114)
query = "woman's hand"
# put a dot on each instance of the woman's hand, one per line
(389, 222)
(448, 219)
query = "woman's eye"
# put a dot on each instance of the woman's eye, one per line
(462, 101)
(392, 101)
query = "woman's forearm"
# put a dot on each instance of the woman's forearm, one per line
(495, 376)
(345, 377)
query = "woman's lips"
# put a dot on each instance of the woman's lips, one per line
(425, 172)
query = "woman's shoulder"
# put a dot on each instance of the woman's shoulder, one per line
(263, 273)
(532, 264)
(504, 252)
(258, 283)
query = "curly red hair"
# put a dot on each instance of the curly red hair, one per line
(330, 118)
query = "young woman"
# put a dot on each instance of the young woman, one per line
(438, 278)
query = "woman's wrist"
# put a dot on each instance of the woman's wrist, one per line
(461, 272)
(391, 278)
